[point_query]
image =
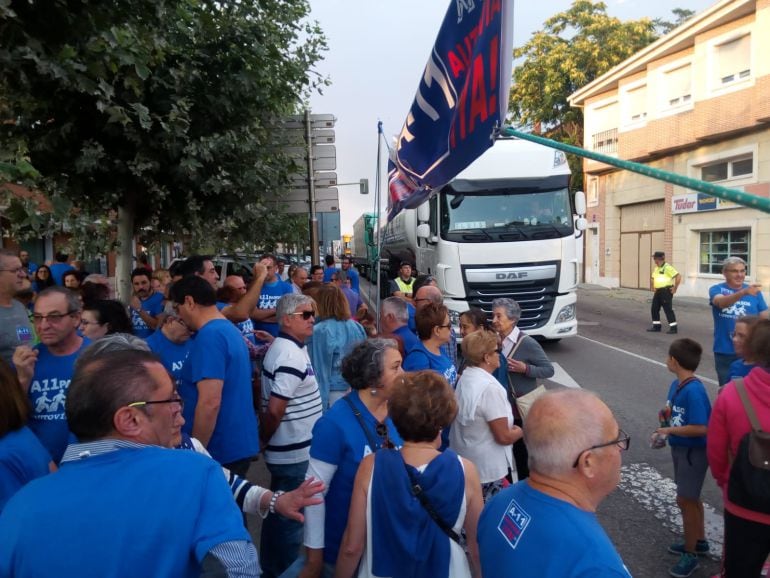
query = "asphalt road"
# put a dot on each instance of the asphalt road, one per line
(614, 356)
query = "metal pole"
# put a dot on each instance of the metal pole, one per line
(377, 212)
(314, 257)
(733, 195)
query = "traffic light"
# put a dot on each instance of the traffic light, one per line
(364, 184)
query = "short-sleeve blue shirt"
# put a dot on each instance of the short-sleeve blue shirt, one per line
(724, 319)
(153, 305)
(689, 406)
(268, 299)
(420, 358)
(172, 355)
(219, 352)
(22, 459)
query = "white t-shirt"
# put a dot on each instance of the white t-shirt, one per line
(288, 374)
(481, 399)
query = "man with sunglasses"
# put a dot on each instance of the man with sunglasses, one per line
(151, 518)
(45, 371)
(575, 448)
(291, 405)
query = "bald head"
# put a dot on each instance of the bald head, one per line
(562, 424)
(428, 294)
(235, 282)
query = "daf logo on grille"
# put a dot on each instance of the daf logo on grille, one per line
(511, 275)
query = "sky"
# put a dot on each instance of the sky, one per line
(377, 53)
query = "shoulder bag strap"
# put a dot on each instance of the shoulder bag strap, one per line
(418, 493)
(373, 445)
(680, 388)
(741, 389)
(511, 391)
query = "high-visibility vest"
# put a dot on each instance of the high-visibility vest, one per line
(403, 286)
(663, 276)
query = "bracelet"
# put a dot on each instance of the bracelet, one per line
(273, 500)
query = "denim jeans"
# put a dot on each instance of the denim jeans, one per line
(722, 363)
(281, 538)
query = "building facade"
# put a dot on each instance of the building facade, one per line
(697, 103)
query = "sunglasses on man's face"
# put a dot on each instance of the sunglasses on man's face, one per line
(305, 314)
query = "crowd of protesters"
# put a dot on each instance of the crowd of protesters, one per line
(383, 447)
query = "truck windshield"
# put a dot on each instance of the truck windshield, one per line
(500, 215)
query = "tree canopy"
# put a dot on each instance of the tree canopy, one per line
(163, 110)
(573, 48)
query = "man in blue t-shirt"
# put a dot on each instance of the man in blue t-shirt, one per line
(347, 266)
(730, 300)
(171, 343)
(219, 404)
(145, 305)
(394, 318)
(45, 371)
(554, 510)
(272, 290)
(121, 405)
(59, 267)
(329, 269)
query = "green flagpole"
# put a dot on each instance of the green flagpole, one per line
(741, 198)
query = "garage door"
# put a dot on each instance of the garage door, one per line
(641, 233)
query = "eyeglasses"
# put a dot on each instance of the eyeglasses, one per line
(176, 399)
(305, 314)
(84, 323)
(52, 317)
(623, 442)
(447, 326)
(422, 299)
(15, 270)
(178, 320)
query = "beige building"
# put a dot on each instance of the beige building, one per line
(697, 103)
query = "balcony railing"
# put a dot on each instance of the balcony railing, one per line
(605, 141)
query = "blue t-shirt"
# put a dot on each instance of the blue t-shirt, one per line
(268, 299)
(411, 323)
(48, 394)
(219, 352)
(521, 525)
(420, 358)
(22, 459)
(355, 281)
(689, 406)
(172, 355)
(328, 272)
(338, 439)
(740, 368)
(408, 338)
(58, 270)
(245, 327)
(111, 515)
(153, 305)
(724, 319)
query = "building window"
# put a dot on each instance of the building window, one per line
(716, 246)
(604, 137)
(724, 170)
(635, 105)
(677, 87)
(733, 60)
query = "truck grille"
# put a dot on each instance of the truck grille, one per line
(536, 298)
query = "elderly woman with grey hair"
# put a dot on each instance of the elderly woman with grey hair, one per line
(352, 428)
(525, 362)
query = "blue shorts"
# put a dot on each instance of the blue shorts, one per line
(690, 466)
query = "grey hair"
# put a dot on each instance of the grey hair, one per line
(109, 343)
(732, 261)
(362, 368)
(288, 304)
(342, 275)
(560, 425)
(73, 301)
(395, 306)
(511, 308)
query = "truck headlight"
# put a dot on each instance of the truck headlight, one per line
(567, 313)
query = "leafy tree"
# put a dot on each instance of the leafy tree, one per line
(157, 115)
(681, 15)
(573, 48)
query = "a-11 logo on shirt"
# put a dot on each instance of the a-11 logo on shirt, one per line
(23, 334)
(513, 523)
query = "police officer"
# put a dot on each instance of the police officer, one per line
(665, 281)
(402, 285)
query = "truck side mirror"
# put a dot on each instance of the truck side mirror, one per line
(423, 231)
(580, 202)
(581, 224)
(423, 212)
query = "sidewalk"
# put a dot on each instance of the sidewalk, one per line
(640, 296)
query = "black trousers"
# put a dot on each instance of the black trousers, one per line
(520, 454)
(747, 545)
(663, 298)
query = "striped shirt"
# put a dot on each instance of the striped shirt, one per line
(288, 374)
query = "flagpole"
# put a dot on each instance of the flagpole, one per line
(378, 212)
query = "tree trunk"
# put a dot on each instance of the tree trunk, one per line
(124, 255)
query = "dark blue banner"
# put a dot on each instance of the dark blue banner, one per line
(461, 100)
